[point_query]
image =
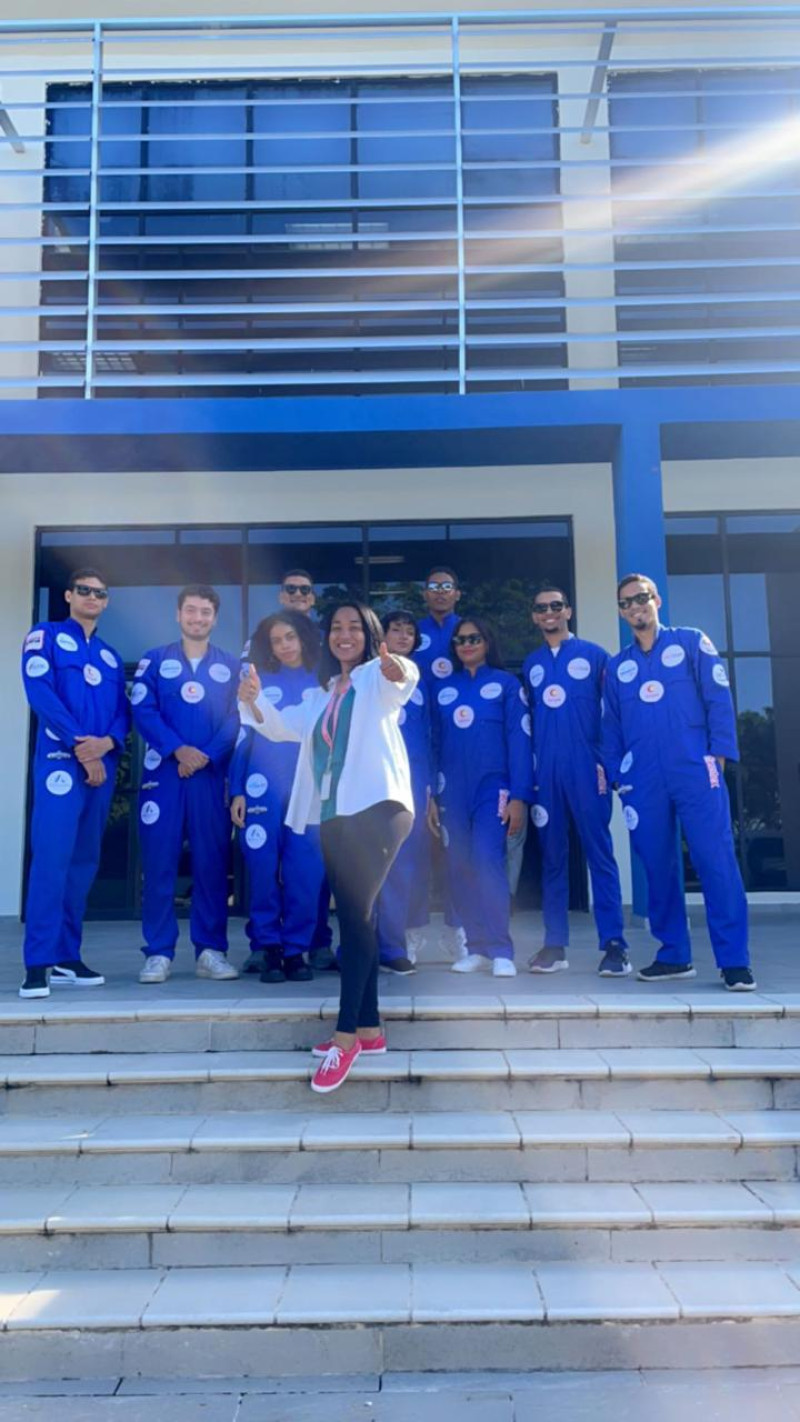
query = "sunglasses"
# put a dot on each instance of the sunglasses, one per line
(638, 599)
(440, 587)
(83, 590)
(470, 639)
(555, 606)
(298, 589)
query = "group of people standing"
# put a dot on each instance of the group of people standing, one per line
(340, 750)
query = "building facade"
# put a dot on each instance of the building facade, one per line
(517, 292)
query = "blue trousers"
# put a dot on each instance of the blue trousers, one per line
(694, 793)
(403, 901)
(194, 809)
(475, 843)
(66, 832)
(286, 873)
(573, 790)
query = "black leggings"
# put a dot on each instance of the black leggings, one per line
(359, 851)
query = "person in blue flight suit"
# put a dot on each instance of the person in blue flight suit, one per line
(668, 729)
(402, 909)
(185, 709)
(434, 653)
(564, 683)
(285, 869)
(482, 748)
(75, 684)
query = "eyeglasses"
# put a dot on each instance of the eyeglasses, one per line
(298, 589)
(84, 590)
(440, 587)
(470, 639)
(557, 605)
(639, 599)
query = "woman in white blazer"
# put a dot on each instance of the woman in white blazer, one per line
(352, 779)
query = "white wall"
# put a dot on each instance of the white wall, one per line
(582, 492)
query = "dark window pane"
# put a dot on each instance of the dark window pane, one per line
(749, 611)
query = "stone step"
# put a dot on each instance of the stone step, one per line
(228, 1225)
(721, 1078)
(289, 1147)
(265, 1020)
(375, 1317)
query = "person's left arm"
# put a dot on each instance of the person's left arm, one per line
(220, 747)
(714, 687)
(518, 751)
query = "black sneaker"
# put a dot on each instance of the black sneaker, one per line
(75, 974)
(401, 967)
(255, 963)
(549, 960)
(615, 962)
(296, 969)
(272, 971)
(35, 984)
(666, 972)
(322, 960)
(738, 979)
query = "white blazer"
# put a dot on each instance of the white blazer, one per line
(376, 763)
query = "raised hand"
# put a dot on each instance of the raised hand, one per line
(250, 686)
(391, 667)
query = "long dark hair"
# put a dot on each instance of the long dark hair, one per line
(373, 636)
(406, 618)
(493, 657)
(261, 653)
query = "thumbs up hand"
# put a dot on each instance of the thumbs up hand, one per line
(249, 686)
(391, 667)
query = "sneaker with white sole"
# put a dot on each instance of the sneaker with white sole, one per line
(472, 963)
(549, 960)
(335, 1067)
(36, 983)
(213, 964)
(75, 974)
(157, 969)
(503, 968)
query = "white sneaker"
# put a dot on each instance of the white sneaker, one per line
(503, 968)
(471, 963)
(157, 969)
(416, 941)
(213, 964)
(453, 942)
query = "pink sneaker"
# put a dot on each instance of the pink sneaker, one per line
(375, 1045)
(334, 1068)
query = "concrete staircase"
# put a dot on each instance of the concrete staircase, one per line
(522, 1182)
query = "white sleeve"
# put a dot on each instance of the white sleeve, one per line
(393, 694)
(287, 725)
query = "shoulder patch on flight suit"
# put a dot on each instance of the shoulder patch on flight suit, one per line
(34, 640)
(37, 666)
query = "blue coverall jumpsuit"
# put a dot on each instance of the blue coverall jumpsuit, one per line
(434, 655)
(403, 900)
(175, 706)
(76, 686)
(668, 716)
(286, 869)
(565, 690)
(482, 744)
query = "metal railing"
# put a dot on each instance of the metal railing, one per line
(424, 202)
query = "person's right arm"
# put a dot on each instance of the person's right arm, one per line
(146, 704)
(612, 746)
(38, 679)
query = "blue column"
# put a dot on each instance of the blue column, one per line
(641, 540)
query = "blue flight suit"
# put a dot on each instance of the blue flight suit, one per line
(434, 655)
(76, 686)
(482, 744)
(403, 900)
(565, 690)
(175, 706)
(668, 716)
(286, 869)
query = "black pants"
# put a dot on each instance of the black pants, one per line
(359, 851)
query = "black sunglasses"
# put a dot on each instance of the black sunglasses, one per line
(640, 599)
(470, 639)
(298, 589)
(557, 605)
(83, 590)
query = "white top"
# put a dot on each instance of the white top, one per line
(376, 763)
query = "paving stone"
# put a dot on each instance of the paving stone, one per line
(677, 1127)
(14, 1288)
(141, 1133)
(576, 1128)
(227, 1206)
(115, 1207)
(350, 1207)
(740, 1290)
(431, 1008)
(654, 1062)
(564, 1063)
(781, 1196)
(390, 1408)
(254, 1130)
(467, 1294)
(58, 1135)
(604, 1292)
(86, 1299)
(687, 1202)
(364, 1132)
(765, 1127)
(346, 1294)
(468, 1206)
(218, 1297)
(459, 1066)
(24, 1208)
(587, 1204)
(744, 1061)
(315, 1385)
(121, 1409)
(474, 1130)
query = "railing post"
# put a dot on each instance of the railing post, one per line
(94, 198)
(462, 280)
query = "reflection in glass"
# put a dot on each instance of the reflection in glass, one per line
(138, 618)
(698, 600)
(750, 614)
(760, 797)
